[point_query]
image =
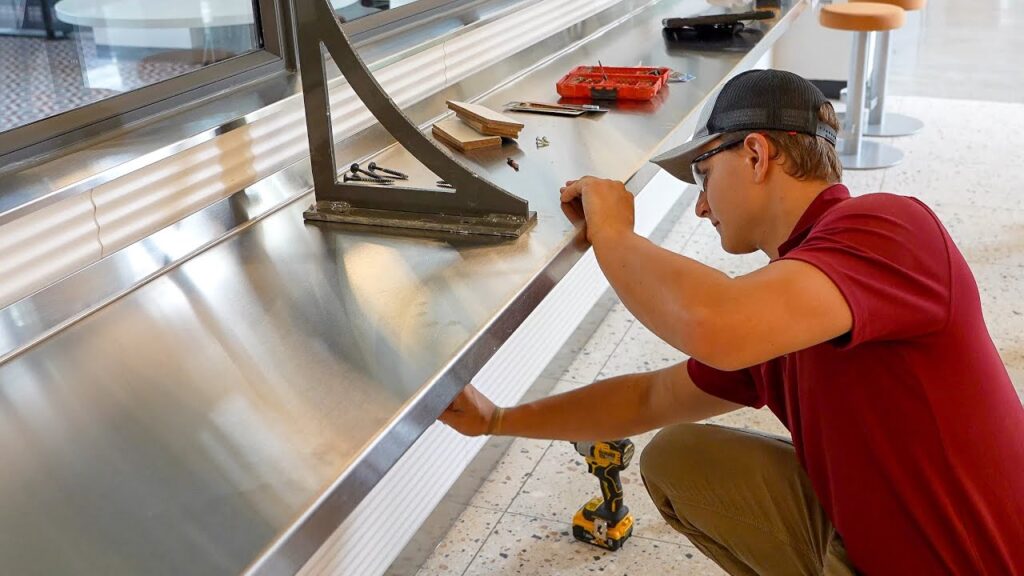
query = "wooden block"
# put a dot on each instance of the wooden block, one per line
(490, 131)
(485, 116)
(461, 136)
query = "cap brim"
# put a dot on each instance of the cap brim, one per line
(677, 161)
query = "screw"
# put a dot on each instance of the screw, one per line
(512, 163)
(444, 184)
(375, 180)
(374, 167)
(356, 171)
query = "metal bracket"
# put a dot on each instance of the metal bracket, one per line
(476, 206)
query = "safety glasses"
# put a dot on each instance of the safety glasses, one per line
(700, 175)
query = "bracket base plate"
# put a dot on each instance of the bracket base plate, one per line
(494, 225)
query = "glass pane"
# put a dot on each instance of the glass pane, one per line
(59, 55)
(349, 10)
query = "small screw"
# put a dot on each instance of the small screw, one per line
(512, 163)
(374, 167)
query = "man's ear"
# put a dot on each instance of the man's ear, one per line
(759, 155)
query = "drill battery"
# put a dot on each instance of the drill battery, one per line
(588, 525)
(605, 521)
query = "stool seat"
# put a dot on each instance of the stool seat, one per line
(908, 5)
(862, 17)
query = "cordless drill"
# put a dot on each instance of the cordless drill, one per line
(605, 521)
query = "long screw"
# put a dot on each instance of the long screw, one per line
(374, 168)
(374, 180)
(444, 184)
(356, 171)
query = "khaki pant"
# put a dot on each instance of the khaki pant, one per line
(743, 500)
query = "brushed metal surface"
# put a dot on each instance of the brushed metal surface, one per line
(230, 412)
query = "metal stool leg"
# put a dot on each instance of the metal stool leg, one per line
(854, 152)
(880, 122)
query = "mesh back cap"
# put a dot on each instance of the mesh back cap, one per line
(753, 100)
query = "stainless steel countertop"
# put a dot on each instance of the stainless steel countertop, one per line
(228, 414)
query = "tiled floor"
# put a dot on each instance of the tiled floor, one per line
(964, 165)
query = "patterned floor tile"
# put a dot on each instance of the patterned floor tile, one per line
(527, 546)
(512, 471)
(599, 348)
(462, 543)
(640, 351)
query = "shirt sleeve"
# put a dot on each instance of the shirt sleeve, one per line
(889, 258)
(740, 386)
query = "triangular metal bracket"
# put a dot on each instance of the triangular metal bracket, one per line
(476, 206)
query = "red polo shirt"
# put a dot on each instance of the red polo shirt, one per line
(908, 426)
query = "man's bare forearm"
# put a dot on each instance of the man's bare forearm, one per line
(618, 407)
(677, 298)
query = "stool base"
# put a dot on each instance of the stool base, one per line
(894, 125)
(872, 156)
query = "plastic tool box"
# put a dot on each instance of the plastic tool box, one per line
(611, 83)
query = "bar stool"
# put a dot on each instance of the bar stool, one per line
(863, 18)
(880, 122)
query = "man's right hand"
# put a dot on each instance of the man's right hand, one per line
(470, 413)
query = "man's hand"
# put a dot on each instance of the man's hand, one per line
(607, 205)
(470, 413)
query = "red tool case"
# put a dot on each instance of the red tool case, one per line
(610, 83)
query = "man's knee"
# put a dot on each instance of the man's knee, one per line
(675, 451)
(695, 457)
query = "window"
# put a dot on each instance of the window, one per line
(65, 64)
(92, 50)
(74, 69)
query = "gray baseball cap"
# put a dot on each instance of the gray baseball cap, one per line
(753, 100)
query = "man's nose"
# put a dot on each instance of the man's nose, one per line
(701, 207)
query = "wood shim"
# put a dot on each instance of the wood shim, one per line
(459, 135)
(491, 131)
(485, 120)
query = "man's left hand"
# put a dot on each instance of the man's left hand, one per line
(607, 205)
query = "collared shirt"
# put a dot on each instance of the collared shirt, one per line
(908, 426)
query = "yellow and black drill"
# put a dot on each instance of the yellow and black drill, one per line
(605, 521)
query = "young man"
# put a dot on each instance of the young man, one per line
(864, 335)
